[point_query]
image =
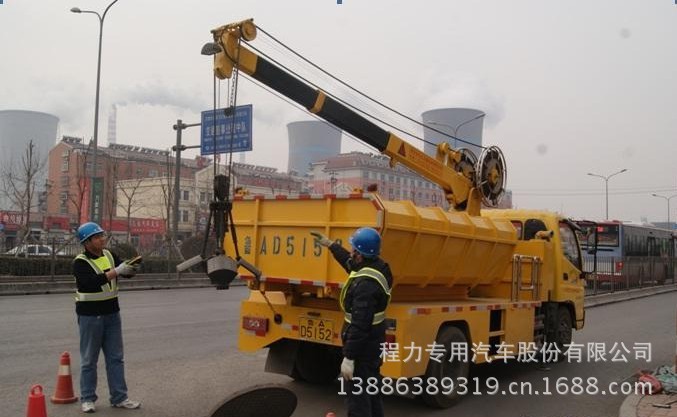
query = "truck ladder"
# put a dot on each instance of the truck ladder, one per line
(517, 277)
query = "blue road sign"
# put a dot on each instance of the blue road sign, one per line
(222, 127)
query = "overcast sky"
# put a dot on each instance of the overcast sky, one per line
(569, 87)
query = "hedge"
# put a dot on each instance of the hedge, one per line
(37, 265)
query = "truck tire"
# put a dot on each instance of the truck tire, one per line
(564, 331)
(316, 363)
(445, 369)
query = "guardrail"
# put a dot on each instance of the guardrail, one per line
(627, 273)
(60, 284)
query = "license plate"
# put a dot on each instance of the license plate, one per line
(317, 330)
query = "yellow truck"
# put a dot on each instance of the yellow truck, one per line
(485, 280)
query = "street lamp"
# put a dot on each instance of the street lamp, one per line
(668, 200)
(96, 105)
(454, 129)
(606, 184)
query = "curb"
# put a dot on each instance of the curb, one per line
(139, 284)
(617, 297)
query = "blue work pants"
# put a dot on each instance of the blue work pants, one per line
(102, 333)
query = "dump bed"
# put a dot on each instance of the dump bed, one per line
(424, 246)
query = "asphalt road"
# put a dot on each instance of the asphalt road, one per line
(182, 358)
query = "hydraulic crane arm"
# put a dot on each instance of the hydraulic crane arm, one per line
(445, 170)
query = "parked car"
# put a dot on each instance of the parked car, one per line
(30, 250)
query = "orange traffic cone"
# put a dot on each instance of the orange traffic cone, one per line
(64, 382)
(36, 402)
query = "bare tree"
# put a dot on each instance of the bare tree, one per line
(18, 185)
(127, 194)
(78, 199)
(168, 199)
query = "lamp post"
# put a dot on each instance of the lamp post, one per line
(606, 186)
(92, 204)
(454, 129)
(668, 201)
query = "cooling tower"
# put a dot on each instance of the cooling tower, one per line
(311, 141)
(464, 124)
(17, 129)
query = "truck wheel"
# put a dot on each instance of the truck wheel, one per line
(564, 330)
(444, 369)
(316, 363)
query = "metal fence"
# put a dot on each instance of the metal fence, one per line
(626, 273)
(71, 247)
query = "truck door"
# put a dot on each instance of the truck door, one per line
(572, 266)
(571, 252)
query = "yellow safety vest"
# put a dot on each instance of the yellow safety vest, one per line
(99, 265)
(367, 273)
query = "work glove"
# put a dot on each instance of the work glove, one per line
(322, 239)
(347, 368)
(125, 270)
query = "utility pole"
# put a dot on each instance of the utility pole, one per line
(179, 127)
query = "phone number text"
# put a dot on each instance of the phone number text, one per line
(489, 386)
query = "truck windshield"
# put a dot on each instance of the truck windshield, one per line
(570, 244)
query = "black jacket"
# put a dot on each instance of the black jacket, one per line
(89, 281)
(364, 298)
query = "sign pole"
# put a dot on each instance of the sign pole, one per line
(179, 127)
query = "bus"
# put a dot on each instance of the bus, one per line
(629, 255)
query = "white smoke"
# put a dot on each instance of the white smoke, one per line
(442, 90)
(157, 93)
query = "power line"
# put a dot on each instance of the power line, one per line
(303, 109)
(412, 135)
(555, 193)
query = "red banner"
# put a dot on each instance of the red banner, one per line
(10, 220)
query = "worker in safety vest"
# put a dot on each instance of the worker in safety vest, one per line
(96, 271)
(364, 299)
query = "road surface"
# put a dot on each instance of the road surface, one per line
(182, 360)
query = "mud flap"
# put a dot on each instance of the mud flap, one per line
(282, 357)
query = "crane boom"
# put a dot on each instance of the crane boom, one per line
(445, 169)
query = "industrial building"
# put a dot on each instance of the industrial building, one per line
(460, 123)
(17, 129)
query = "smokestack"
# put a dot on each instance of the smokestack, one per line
(112, 124)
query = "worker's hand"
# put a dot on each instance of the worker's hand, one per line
(347, 368)
(322, 239)
(125, 269)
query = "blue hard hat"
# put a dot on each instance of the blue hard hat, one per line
(87, 230)
(366, 241)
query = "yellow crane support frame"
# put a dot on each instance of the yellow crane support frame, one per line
(444, 169)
